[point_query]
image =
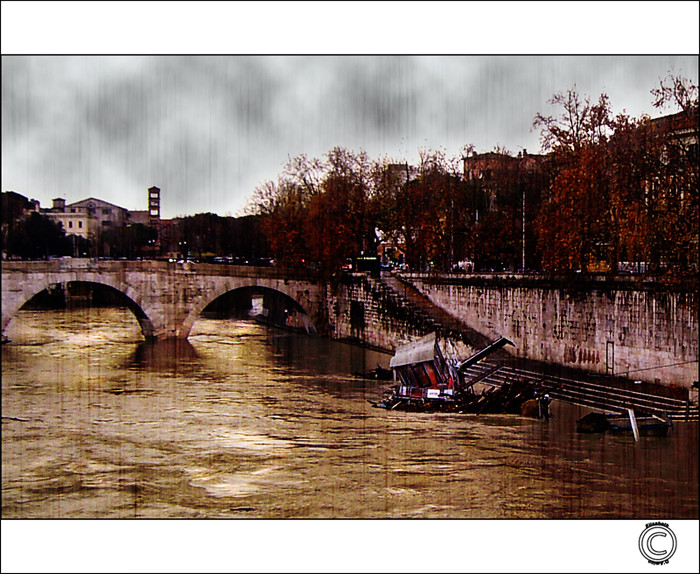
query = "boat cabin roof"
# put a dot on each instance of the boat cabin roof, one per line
(420, 363)
(424, 350)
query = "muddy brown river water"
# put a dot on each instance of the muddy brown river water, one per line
(245, 421)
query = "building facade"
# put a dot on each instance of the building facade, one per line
(87, 218)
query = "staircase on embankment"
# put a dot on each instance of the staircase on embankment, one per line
(400, 305)
(447, 325)
(605, 397)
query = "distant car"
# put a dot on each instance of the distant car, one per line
(262, 262)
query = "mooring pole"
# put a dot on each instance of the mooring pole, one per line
(633, 421)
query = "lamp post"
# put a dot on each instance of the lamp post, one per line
(523, 265)
(183, 249)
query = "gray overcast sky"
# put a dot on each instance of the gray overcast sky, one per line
(208, 129)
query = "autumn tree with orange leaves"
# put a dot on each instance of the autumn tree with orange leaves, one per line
(316, 214)
(573, 226)
(282, 210)
(338, 224)
(622, 189)
(676, 185)
(610, 189)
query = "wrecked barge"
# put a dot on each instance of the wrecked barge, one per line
(640, 424)
(427, 381)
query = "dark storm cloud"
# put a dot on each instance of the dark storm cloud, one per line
(207, 130)
(380, 98)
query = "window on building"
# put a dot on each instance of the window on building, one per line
(80, 224)
(70, 224)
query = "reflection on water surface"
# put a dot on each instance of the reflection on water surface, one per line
(242, 421)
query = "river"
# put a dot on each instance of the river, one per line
(247, 421)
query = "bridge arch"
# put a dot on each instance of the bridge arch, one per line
(165, 297)
(286, 306)
(126, 294)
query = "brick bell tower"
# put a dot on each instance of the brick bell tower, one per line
(154, 213)
(154, 205)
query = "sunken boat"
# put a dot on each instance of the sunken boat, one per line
(642, 424)
(428, 381)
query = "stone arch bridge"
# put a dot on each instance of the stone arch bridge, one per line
(166, 297)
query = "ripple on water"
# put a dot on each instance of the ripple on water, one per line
(223, 485)
(249, 418)
(249, 441)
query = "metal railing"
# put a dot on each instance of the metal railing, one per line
(585, 393)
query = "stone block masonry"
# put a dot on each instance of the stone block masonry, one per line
(166, 298)
(641, 331)
(358, 311)
(627, 328)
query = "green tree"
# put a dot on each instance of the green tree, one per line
(37, 237)
(138, 237)
(244, 237)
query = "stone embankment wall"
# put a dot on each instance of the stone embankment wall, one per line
(359, 312)
(644, 331)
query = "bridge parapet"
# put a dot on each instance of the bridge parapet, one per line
(120, 266)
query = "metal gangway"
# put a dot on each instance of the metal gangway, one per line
(585, 393)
